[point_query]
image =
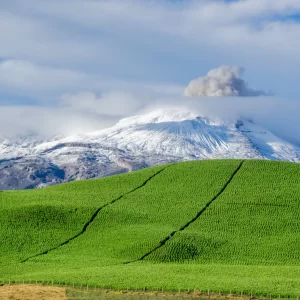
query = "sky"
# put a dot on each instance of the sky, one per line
(91, 62)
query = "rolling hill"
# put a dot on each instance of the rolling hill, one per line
(229, 225)
(159, 137)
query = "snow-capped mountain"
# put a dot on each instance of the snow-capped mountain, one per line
(155, 138)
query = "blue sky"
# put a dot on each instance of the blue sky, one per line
(50, 49)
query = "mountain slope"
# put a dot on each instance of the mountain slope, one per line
(158, 137)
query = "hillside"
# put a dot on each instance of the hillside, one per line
(230, 225)
(159, 137)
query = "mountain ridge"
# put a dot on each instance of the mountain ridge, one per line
(157, 137)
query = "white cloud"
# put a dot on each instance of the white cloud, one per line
(49, 121)
(118, 50)
(222, 81)
(197, 21)
(26, 37)
(277, 115)
(114, 103)
(151, 40)
(47, 84)
(28, 76)
(60, 31)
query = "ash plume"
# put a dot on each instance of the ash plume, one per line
(220, 82)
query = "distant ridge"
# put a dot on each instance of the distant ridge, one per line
(161, 136)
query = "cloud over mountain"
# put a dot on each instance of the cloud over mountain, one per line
(222, 81)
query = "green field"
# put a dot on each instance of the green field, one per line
(227, 225)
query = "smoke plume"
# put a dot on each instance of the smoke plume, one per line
(222, 81)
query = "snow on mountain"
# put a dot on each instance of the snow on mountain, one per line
(158, 137)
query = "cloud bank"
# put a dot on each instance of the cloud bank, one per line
(114, 103)
(87, 112)
(83, 72)
(161, 41)
(222, 81)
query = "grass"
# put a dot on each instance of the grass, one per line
(37, 220)
(255, 221)
(198, 225)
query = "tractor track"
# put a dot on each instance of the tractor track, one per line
(95, 214)
(170, 236)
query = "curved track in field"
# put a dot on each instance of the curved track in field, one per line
(165, 240)
(90, 221)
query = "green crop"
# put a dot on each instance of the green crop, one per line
(33, 221)
(255, 221)
(218, 225)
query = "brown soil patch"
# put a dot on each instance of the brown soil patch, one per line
(92, 293)
(32, 292)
